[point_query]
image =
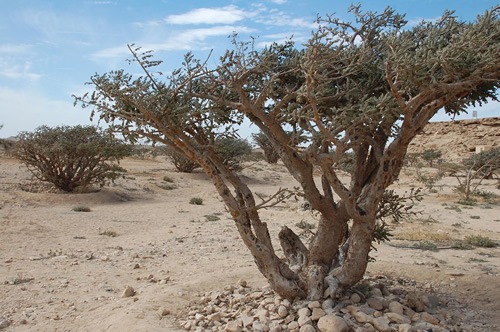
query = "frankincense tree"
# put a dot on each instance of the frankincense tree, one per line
(362, 89)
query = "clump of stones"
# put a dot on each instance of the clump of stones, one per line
(377, 304)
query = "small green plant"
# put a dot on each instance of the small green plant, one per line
(461, 245)
(426, 245)
(81, 208)
(212, 217)
(168, 179)
(467, 202)
(109, 233)
(475, 217)
(196, 201)
(480, 241)
(167, 186)
(477, 260)
(457, 224)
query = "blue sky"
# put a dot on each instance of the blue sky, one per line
(50, 48)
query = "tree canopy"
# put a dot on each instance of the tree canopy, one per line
(360, 90)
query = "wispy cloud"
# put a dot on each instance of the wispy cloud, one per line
(275, 17)
(191, 39)
(416, 21)
(279, 2)
(14, 48)
(224, 15)
(13, 71)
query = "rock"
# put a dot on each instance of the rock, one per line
(234, 326)
(246, 319)
(215, 317)
(328, 305)
(258, 326)
(304, 312)
(430, 301)
(376, 292)
(405, 328)
(282, 311)
(382, 324)
(396, 307)
(293, 325)
(307, 328)
(375, 303)
(355, 298)
(429, 318)
(314, 304)
(397, 318)
(361, 317)
(163, 312)
(4, 323)
(304, 320)
(332, 323)
(242, 283)
(128, 292)
(317, 313)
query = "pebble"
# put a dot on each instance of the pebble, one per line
(4, 323)
(244, 309)
(128, 292)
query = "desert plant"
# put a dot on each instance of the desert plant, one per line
(474, 170)
(232, 151)
(196, 201)
(430, 155)
(81, 208)
(266, 145)
(71, 157)
(368, 86)
(181, 162)
(480, 241)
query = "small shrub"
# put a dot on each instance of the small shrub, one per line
(167, 178)
(426, 245)
(457, 224)
(264, 143)
(167, 186)
(475, 217)
(480, 241)
(71, 157)
(232, 151)
(467, 202)
(196, 201)
(181, 163)
(477, 260)
(461, 245)
(109, 233)
(212, 217)
(81, 208)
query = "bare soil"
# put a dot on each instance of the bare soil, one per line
(65, 270)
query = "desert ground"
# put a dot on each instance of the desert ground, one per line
(65, 270)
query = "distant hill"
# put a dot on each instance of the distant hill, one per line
(458, 139)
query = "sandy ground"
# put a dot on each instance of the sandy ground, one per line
(63, 270)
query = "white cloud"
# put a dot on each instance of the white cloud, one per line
(192, 39)
(17, 72)
(224, 15)
(24, 110)
(279, 2)
(14, 48)
(278, 18)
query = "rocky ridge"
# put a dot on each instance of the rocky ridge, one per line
(377, 304)
(458, 139)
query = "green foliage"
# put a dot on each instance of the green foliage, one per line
(232, 151)
(265, 144)
(426, 245)
(430, 155)
(81, 208)
(196, 201)
(486, 163)
(71, 157)
(181, 162)
(480, 241)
